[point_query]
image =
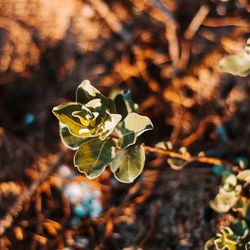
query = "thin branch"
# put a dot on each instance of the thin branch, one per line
(159, 11)
(8, 219)
(111, 20)
(187, 158)
(171, 32)
(226, 21)
(190, 32)
(197, 21)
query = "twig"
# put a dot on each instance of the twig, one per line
(171, 32)
(160, 12)
(226, 21)
(187, 158)
(193, 27)
(39, 224)
(111, 20)
(196, 22)
(202, 126)
(8, 219)
(1, 135)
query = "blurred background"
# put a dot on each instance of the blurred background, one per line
(167, 53)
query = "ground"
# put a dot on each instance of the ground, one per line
(167, 53)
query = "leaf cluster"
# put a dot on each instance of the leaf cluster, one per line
(232, 237)
(232, 196)
(103, 131)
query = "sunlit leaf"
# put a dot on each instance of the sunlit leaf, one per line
(224, 201)
(64, 114)
(109, 125)
(99, 110)
(210, 245)
(87, 92)
(131, 127)
(86, 125)
(244, 175)
(94, 104)
(227, 240)
(124, 103)
(93, 156)
(236, 64)
(84, 115)
(176, 163)
(128, 163)
(68, 139)
(229, 182)
(167, 145)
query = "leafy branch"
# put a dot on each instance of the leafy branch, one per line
(233, 196)
(104, 132)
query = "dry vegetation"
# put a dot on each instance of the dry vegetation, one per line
(167, 53)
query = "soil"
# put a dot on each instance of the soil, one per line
(47, 49)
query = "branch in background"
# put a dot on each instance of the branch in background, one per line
(226, 21)
(190, 32)
(8, 219)
(171, 32)
(111, 20)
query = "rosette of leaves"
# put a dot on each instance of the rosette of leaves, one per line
(229, 238)
(103, 132)
(238, 64)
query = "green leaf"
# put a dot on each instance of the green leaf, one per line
(210, 245)
(236, 64)
(224, 201)
(109, 125)
(86, 92)
(64, 114)
(124, 103)
(131, 127)
(227, 240)
(68, 139)
(84, 115)
(176, 163)
(244, 175)
(93, 156)
(240, 228)
(94, 104)
(229, 182)
(167, 145)
(128, 163)
(97, 107)
(247, 245)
